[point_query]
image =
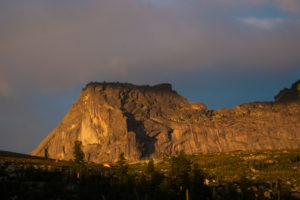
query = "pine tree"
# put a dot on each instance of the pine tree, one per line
(78, 153)
(180, 172)
(298, 88)
(150, 167)
(197, 188)
(122, 168)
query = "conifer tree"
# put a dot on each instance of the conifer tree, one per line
(298, 88)
(122, 168)
(180, 172)
(197, 187)
(78, 153)
(150, 167)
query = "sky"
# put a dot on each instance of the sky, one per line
(219, 52)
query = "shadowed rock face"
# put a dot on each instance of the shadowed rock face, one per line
(152, 121)
(288, 95)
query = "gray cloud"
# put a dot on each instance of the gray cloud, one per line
(263, 23)
(291, 5)
(59, 44)
(5, 89)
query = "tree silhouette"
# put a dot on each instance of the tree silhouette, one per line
(150, 167)
(198, 189)
(77, 152)
(179, 173)
(298, 88)
(122, 168)
(46, 153)
(154, 178)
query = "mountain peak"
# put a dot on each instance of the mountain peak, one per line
(152, 121)
(163, 87)
(289, 94)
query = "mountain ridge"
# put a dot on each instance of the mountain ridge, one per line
(153, 121)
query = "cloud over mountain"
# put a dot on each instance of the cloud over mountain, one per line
(71, 42)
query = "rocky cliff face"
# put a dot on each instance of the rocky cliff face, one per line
(152, 121)
(289, 94)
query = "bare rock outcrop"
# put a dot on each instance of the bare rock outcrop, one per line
(289, 94)
(152, 121)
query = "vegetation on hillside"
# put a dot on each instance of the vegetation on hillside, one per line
(233, 175)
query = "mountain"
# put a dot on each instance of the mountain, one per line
(9, 154)
(153, 121)
(289, 94)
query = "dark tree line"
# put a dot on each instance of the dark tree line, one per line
(184, 180)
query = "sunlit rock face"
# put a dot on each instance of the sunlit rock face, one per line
(153, 121)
